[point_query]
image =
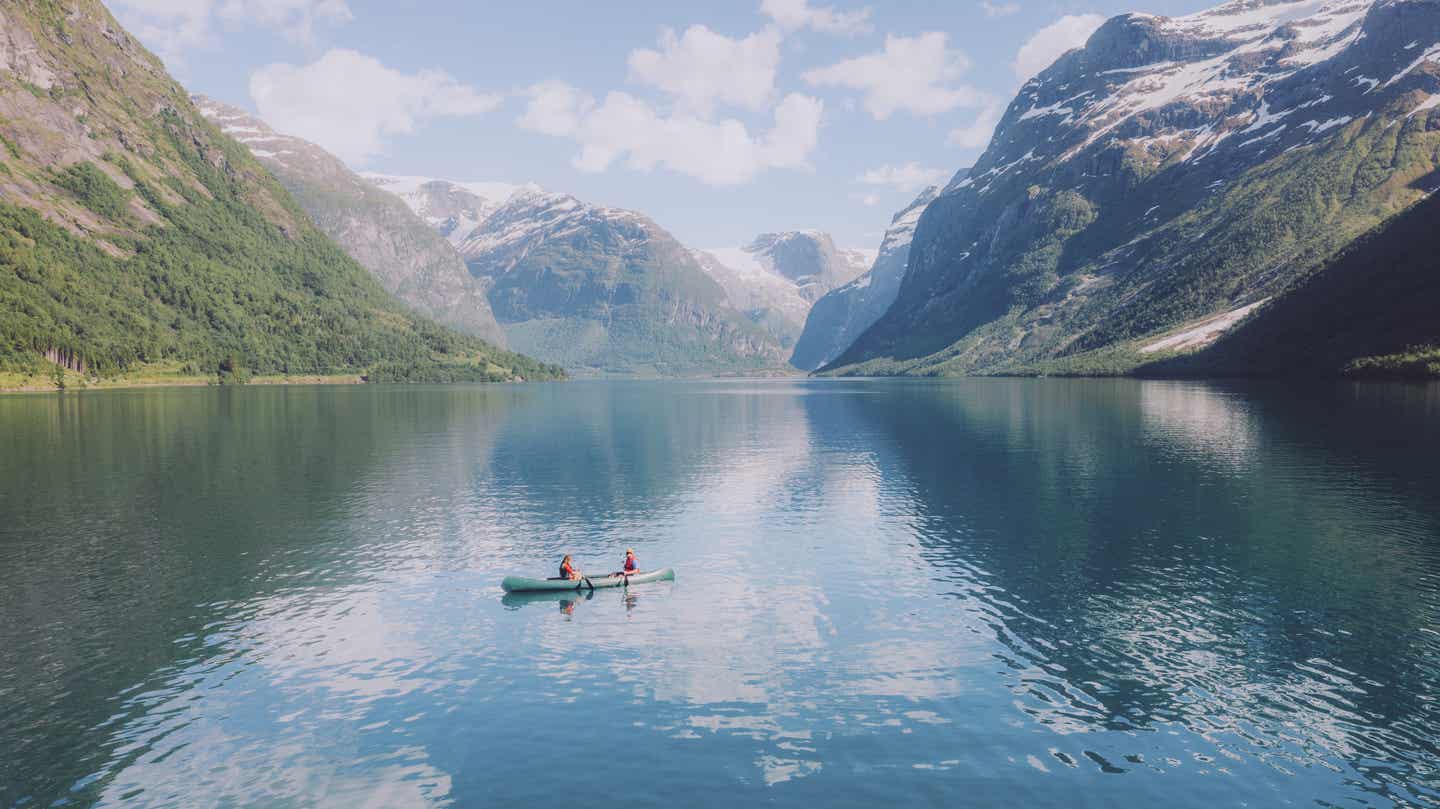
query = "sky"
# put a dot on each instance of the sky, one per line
(719, 120)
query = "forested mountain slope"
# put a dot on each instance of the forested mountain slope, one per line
(1372, 311)
(133, 232)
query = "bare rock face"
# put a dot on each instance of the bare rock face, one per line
(374, 227)
(839, 318)
(1171, 170)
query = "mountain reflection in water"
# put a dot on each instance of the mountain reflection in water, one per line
(1041, 592)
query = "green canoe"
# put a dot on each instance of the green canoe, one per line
(520, 584)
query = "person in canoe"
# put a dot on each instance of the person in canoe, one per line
(568, 569)
(632, 565)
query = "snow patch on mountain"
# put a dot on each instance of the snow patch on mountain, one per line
(406, 185)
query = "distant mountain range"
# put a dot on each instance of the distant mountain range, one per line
(778, 277)
(1165, 182)
(136, 237)
(498, 229)
(596, 289)
(454, 209)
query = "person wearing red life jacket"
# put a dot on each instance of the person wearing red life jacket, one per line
(568, 570)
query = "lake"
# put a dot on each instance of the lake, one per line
(1039, 593)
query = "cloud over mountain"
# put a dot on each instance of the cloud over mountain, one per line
(349, 102)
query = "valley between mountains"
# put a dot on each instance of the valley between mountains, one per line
(1242, 191)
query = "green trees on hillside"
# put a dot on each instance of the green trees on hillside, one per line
(94, 189)
(217, 284)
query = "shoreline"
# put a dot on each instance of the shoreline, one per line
(42, 385)
(355, 379)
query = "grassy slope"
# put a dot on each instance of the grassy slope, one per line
(203, 260)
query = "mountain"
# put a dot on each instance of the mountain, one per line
(135, 235)
(377, 229)
(809, 259)
(769, 300)
(607, 290)
(839, 318)
(776, 278)
(1170, 175)
(453, 209)
(1370, 312)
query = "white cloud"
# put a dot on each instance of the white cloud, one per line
(701, 68)
(869, 200)
(348, 102)
(1001, 9)
(792, 15)
(977, 135)
(906, 177)
(912, 74)
(1041, 50)
(168, 27)
(295, 18)
(629, 129)
(555, 108)
(172, 27)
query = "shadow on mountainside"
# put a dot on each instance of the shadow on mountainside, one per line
(1380, 296)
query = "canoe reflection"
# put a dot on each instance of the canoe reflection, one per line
(565, 598)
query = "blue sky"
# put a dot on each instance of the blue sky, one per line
(719, 120)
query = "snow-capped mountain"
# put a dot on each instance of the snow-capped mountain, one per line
(776, 278)
(808, 258)
(374, 228)
(770, 300)
(1172, 170)
(605, 290)
(454, 209)
(837, 319)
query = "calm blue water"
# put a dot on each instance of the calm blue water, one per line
(983, 593)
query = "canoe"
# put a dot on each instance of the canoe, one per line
(521, 584)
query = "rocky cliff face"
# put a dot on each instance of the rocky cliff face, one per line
(843, 314)
(1172, 170)
(376, 228)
